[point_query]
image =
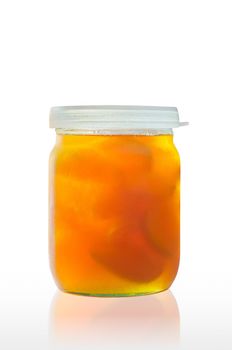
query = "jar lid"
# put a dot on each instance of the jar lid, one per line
(98, 118)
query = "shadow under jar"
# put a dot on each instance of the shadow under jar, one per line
(114, 199)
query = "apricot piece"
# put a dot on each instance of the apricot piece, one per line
(125, 202)
(127, 253)
(131, 157)
(74, 204)
(163, 223)
(165, 171)
(84, 164)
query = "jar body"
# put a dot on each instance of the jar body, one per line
(114, 213)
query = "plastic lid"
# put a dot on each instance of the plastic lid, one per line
(96, 118)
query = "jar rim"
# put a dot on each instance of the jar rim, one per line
(96, 118)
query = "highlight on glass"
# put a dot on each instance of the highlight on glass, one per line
(114, 199)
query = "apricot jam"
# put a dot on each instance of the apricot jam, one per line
(114, 213)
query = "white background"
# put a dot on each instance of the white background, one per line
(175, 53)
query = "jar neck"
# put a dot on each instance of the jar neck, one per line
(71, 139)
(119, 132)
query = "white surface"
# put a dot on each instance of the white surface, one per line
(116, 52)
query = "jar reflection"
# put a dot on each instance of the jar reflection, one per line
(114, 323)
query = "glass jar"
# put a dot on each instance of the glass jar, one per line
(114, 225)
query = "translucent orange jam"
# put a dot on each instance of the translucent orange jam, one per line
(114, 213)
